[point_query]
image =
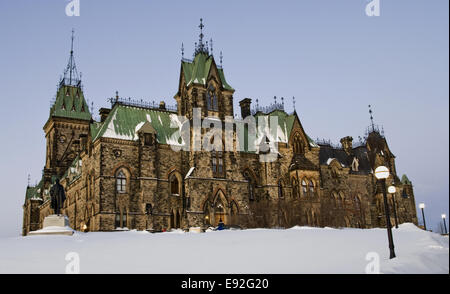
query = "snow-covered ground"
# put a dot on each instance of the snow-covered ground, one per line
(295, 250)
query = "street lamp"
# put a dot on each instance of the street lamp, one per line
(445, 225)
(422, 206)
(392, 190)
(382, 173)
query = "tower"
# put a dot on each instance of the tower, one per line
(68, 123)
(202, 84)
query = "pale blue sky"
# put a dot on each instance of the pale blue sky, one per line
(328, 54)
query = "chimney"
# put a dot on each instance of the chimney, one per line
(347, 144)
(245, 107)
(162, 105)
(104, 113)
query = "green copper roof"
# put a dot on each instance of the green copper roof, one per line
(405, 180)
(197, 71)
(123, 122)
(70, 103)
(34, 192)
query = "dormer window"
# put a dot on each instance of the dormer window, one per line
(148, 139)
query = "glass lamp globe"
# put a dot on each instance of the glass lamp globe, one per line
(391, 189)
(443, 216)
(381, 172)
(422, 205)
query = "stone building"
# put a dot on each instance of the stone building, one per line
(122, 171)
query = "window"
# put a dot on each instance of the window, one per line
(251, 192)
(298, 145)
(124, 220)
(217, 163)
(311, 188)
(148, 208)
(148, 139)
(174, 185)
(280, 189)
(304, 187)
(117, 222)
(121, 182)
(211, 99)
(294, 188)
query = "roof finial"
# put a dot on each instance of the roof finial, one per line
(201, 46)
(211, 44)
(293, 102)
(71, 69)
(182, 50)
(29, 179)
(221, 58)
(371, 118)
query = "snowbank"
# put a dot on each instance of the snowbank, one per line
(295, 250)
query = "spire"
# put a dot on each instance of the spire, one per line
(71, 76)
(201, 47)
(371, 118)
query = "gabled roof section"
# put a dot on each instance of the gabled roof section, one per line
(405, 180)
(196, 71)
(284, 128)
(124, 122)
(70, 103)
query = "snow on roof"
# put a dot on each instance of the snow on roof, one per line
(190, 172)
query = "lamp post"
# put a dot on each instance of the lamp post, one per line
(422, 206)
(382, 173)
(445, 225)
(392, 190)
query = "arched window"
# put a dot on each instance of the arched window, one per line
(298, 145)
(121, 182)
(206, 214)
(311, 188)
(211, 99)
(174, 185)
(304, 187)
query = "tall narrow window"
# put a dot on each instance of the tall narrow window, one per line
(211, 98)
(294, 188)
(251, 192)
(121, 182)
(304, 187)
(217, 164)
(311, 188)
(124, 219)
(174, 185)
(117, 220)
(280, 189)
(148, 139)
